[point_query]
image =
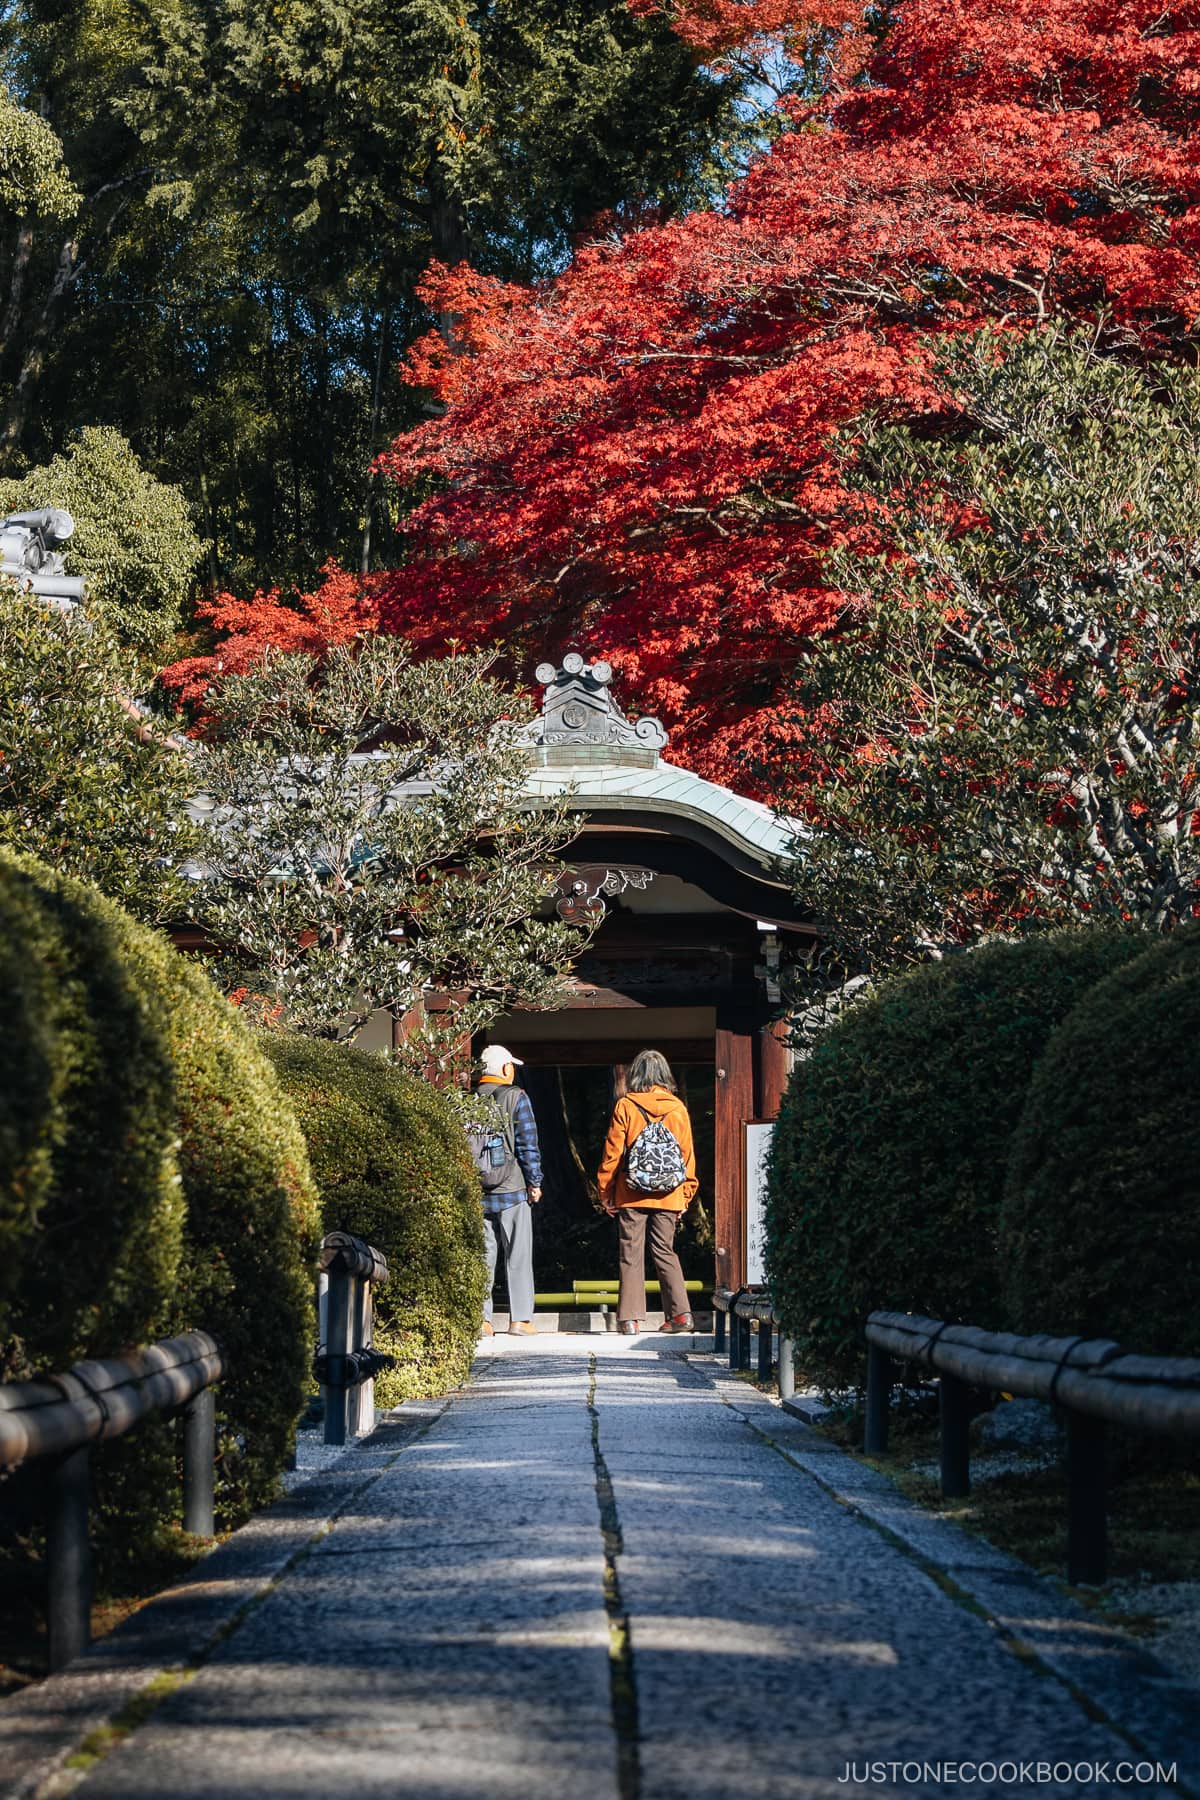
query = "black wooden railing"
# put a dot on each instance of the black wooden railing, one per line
(347, 1362)
(1094, 1382)
(737, 1314)
(57, 1418)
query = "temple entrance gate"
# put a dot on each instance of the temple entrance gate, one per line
(695, 924)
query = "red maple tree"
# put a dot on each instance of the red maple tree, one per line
(640, 457)
(334, 613)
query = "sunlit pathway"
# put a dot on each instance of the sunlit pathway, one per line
(461, 1631)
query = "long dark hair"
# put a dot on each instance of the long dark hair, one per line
(648, 1069)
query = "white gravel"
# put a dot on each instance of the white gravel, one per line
(1169, 1619)
(314, 1456)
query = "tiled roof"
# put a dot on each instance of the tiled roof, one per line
(670, 792)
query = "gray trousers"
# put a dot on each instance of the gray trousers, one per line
(511, 1233)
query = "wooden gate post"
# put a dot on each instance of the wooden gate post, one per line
(734, 1107)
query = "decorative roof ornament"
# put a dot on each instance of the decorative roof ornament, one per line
(31, 554)
(583, 889)
(581, 722)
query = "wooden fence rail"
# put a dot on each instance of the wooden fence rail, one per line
(57, 1418)
(736, 1311)
(1092, 1380)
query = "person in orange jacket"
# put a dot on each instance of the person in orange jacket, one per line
(650, 1095)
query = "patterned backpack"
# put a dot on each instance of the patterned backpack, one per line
(654, 1162)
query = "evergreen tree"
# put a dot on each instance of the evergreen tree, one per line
(261, 190)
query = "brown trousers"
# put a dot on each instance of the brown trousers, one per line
(632, 1225)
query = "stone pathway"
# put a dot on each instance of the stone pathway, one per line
(593, 1577)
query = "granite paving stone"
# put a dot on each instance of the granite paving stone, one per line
(607, 1572)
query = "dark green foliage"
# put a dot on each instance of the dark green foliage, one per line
(889, 1156)
(262, 190)
(391, 1163)
(78, 789)
(1027, 682)
(179, 1197)
(31, 1073)
(103, 1255)
(133, 542)
(248, 1271)
(1100, 1228)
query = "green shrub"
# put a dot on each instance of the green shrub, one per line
(248, 1271)
(1100, 1228)
(887, 1168)
(391, 1163)
(102, 1255)
(180, 1197)
(134, 541)
(31, 1074)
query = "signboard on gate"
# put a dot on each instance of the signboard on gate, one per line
(758, 1141)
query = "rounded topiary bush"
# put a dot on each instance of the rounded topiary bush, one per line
(252, 1227)
(887, 1167)
(1100, 1227)
(391, 1163)
(179, 1195)
(99, 1256)
(32, 1071)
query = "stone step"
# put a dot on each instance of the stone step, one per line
(600, 1321)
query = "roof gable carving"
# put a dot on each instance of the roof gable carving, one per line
(581, 722)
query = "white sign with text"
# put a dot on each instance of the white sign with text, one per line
(758, 1142)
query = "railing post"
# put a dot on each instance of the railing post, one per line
(765, 1359)
(362, 1401)
(735, 1338)
(955, 1415)
(879, 1400)
(719, 1323)
(339, 1323)
(787, 1368)
(1087, 1504)
(199, 1451)
(69, 1559)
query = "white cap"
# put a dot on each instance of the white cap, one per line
(495, 1057)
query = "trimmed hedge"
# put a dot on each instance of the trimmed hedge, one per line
(101, 1253)
(248, 1269)
(1101, 1215)
(888, 1163)
(391, 1162)
(31, 1075)
(180, 1197)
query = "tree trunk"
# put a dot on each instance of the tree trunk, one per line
(364, 561)
(214, 567)
(16, 292)
(17, 414)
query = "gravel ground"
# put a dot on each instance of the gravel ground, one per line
(1174, 1608)
(314, 1456)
